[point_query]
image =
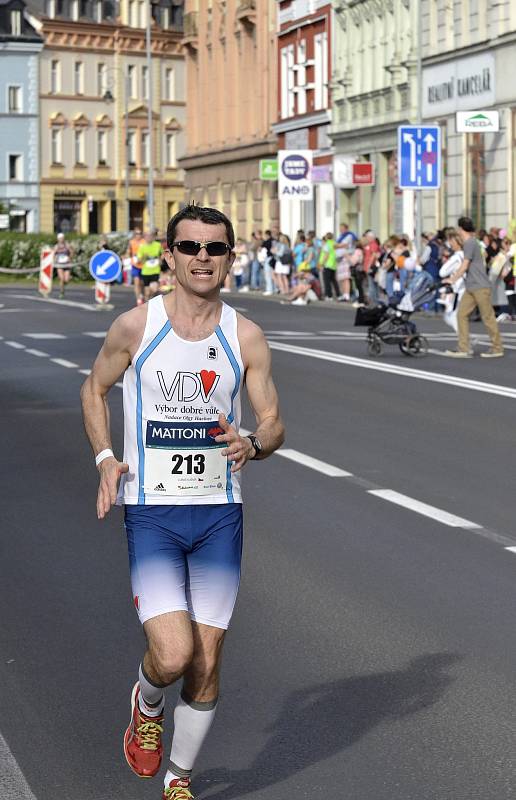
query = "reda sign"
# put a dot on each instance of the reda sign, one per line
(295, 174)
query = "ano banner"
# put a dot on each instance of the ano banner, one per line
(295, 175)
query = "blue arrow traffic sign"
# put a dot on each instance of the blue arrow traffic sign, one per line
(105, 266)
(419, 157)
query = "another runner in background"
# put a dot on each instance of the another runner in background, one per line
(132, 253)
(63, 261)
(149, 258)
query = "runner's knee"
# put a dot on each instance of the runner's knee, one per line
(171, 662)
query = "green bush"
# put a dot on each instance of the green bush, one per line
(22, 250)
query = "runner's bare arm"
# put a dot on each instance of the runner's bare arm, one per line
(112, 360)
(263, 398)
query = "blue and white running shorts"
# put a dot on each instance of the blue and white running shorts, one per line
(185, 558)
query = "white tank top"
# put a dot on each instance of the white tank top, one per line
(173, 392)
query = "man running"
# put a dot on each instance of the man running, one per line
(186, 357)
(149, 258)
(136, 273)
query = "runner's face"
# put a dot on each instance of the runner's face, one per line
(201, 274)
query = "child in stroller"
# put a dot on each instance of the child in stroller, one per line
(391, 324)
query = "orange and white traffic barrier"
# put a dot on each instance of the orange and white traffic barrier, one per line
(102, 292)
(46, 271)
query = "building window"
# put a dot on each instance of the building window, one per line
(476, 179)
(321, 70)
(15, 167)
(51, 8)
(169, 84)
(133, 13)
(60, 8)
(56, 144)
(145, 83)
(79, 77)
(131, 75)
(79, 147)
(101, 79)
(131, 148)
(170, 149)
(15, 105)
(55, 77)
(287, 81)
(102, 158)
(16, 18)
(301, 77)
(145, 149)
(83, 8)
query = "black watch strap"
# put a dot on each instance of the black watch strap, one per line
(256, 444)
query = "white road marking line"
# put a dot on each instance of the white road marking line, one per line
(16, 345)
(120, 385)
(35, 352)
(313, 463)
(96, 334)
(45, 335)
(394, 369)
(13, 785)
(85, 371)
(285, 333)
(423, 508)
(511, 549)
(70, 303)
(64, 363)
(12, 310)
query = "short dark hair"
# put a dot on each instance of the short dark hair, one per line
(466, 223)
(210, 216)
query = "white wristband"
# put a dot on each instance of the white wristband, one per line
(102, 455)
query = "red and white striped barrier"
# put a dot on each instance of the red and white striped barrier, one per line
(102, 293)
(46, 271)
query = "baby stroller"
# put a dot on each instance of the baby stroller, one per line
(391, 324)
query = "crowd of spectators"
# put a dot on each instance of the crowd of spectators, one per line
(362, 270)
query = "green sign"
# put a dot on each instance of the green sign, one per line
(269, 169)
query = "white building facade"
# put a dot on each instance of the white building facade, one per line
(469, 49)
(374, 90)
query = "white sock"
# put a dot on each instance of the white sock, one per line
(192, 721)
(151, 699)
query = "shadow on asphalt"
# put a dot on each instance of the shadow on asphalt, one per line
(305, 731)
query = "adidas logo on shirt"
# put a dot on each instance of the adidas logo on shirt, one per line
(159, 488)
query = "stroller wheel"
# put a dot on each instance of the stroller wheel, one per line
(415, 345)
(374, 346)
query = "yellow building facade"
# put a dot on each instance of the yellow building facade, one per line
(96, 149)
(230, 52)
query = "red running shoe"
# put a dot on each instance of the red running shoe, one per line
(178, 789)
(142, 741)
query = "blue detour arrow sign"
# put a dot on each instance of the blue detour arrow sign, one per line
(105, 266)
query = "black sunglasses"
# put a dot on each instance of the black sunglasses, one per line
(190, 248)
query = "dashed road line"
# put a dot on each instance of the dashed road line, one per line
(511, 549)
(423, 508)
(35, 352)
(69, 303)
(45, 335)
(313, 463)
(64, 363)
(16, 345)
(96, 334)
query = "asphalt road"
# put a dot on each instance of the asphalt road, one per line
(372, 651)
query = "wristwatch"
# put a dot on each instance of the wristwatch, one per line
(256, 444)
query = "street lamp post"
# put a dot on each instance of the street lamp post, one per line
(419, 118)
(150, 194)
